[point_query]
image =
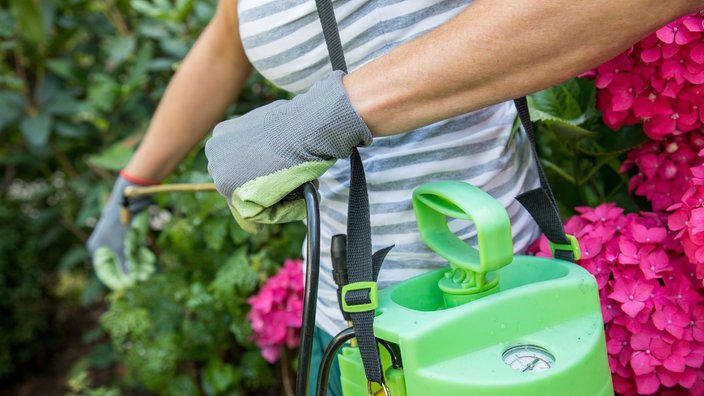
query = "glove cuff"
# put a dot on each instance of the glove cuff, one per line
(137, 180)
(117, 197)
(346, 120)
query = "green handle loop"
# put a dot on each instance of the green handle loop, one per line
(434, 202)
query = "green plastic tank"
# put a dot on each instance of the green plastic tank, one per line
(491, 324)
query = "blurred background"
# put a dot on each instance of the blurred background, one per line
(79, 80)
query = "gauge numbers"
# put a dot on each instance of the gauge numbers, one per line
(528, 358)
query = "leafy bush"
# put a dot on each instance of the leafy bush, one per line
(79, 80)
(183, 329)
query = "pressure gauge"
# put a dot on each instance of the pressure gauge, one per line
(528, 358)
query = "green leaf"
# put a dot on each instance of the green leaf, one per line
(161, 64)
(237, 234)
(103, 92)
(36, 129)
(624, 139)
(12, 106)
(157, 359)
(48, 90)
(144, 7)
(216, 230)
(64, 107)
(48, 14)
(182, 385)
(7, 27)
(140, 69)
(175, 47)
(204, 11)
(72, 130)
(28, 14)
(235, 277)
(73, 257)
(116, 156)
(120, 48)
(183, 9)
(220, 376)
(142, 260)
(572, 101)
(52, 98)
(180, 237)
(566, 130)
(64, 68)
(255, 370)
(123, 321)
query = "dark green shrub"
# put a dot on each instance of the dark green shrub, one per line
(79, 80)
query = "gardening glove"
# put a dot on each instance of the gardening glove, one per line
(259, 160)
(110, 231)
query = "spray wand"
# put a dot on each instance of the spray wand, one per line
(140, 191)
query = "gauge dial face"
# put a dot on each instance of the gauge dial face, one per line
(528, 358)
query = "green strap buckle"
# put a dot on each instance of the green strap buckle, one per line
(573, 247)
(373, 297)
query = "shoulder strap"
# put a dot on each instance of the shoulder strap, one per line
(360, 293)
(540, 202)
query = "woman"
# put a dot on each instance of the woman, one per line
(425, 94)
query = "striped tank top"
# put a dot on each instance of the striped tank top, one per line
(283, 40)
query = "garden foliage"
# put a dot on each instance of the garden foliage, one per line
(79, 80)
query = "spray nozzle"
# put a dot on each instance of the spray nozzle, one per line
(338, 253)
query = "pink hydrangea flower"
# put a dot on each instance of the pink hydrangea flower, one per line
(653, 315)
(664, 168)
(277, 310)
(656, 81)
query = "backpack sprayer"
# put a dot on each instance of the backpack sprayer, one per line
(491, 324)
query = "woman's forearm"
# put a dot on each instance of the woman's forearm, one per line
(207, 82)
(498, 50)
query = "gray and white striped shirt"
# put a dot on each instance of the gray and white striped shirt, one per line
(283, 40)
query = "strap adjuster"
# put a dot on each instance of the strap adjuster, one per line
(572, 247)
(373, 303)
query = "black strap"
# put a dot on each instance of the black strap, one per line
(361, 266)
(331, 34)
(540, 202)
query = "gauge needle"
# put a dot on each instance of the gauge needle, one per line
(531, 365)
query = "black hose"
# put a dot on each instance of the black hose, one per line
(395, 359)
(328, 357)
(310, 293)
(331, 351)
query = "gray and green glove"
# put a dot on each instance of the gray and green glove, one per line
(110, 231)
(259, 160)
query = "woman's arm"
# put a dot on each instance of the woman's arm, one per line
(497, 50)
(208, 81)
